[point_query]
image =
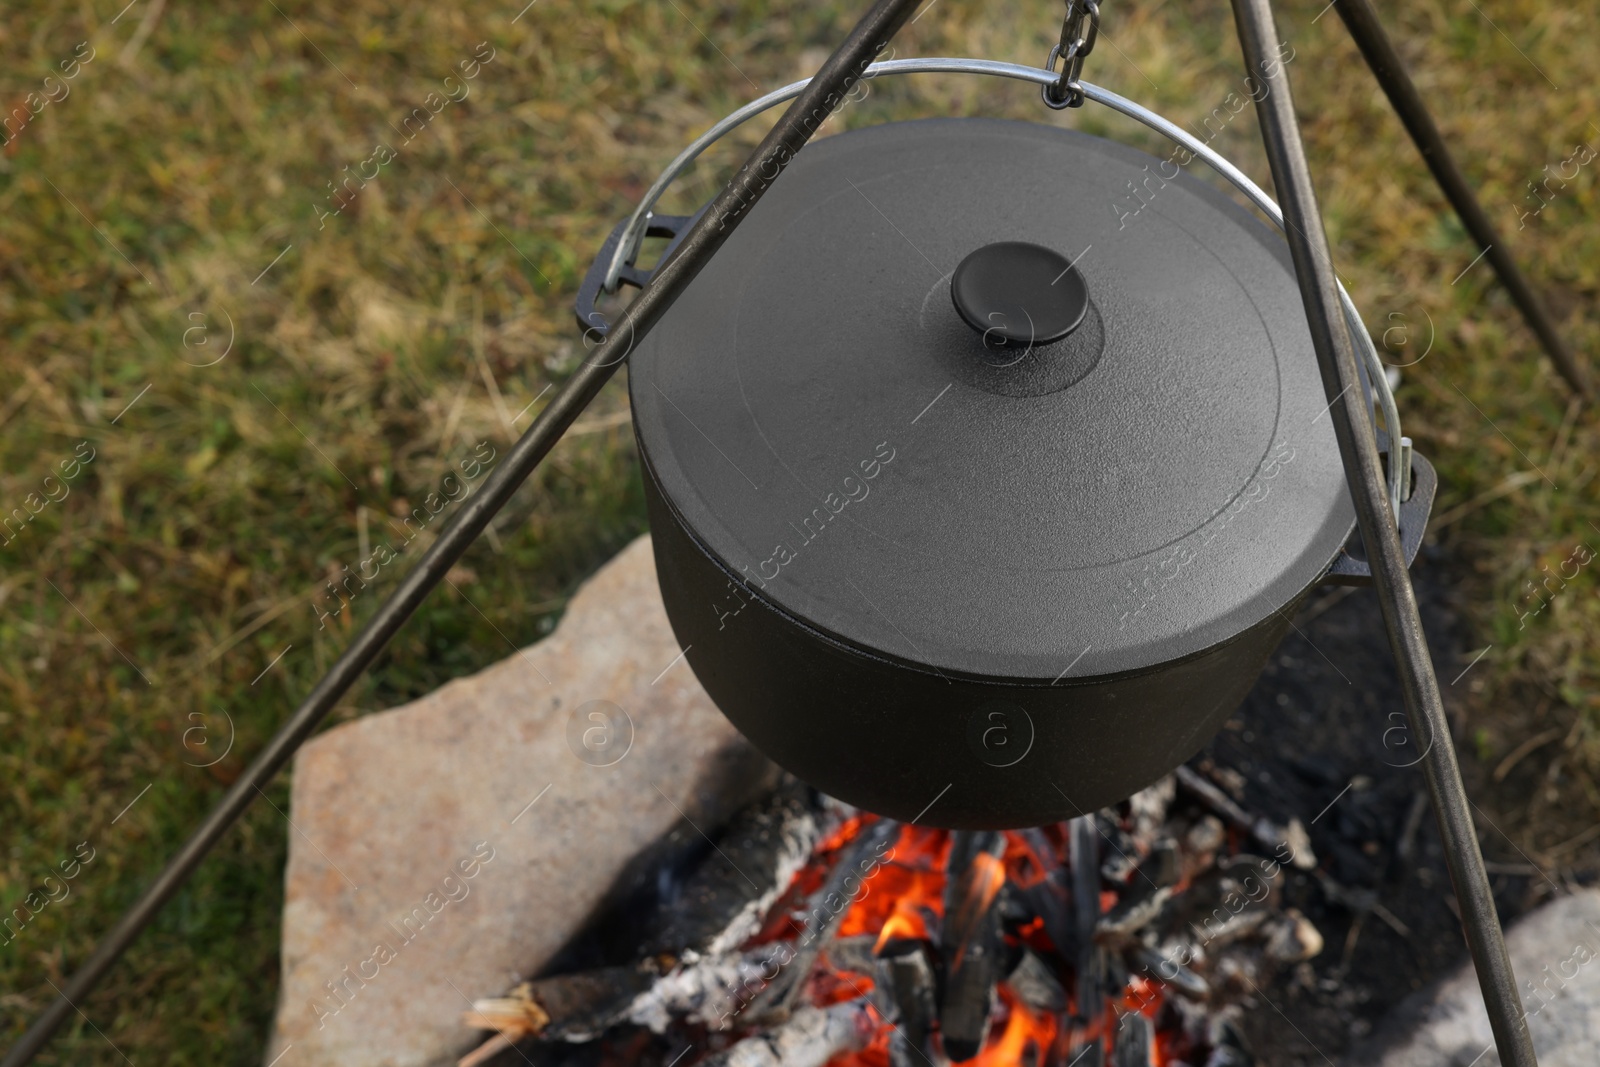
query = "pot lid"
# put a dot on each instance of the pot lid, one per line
(1130, 463)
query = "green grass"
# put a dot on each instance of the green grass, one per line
(141, 610)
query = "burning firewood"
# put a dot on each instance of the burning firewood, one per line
(1291, 843)
(1083, 851)
(579, 1007)
(1036, 985)
(511, 1017)
(824, 912)
(970, 942)
(1134, 1044)
(1144, 958)
(514, 1015)
(569, 1007)
(810, 1038)
(906, 978)
(1092, 942)
(721, 904)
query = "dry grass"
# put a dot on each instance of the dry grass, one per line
(142, 611)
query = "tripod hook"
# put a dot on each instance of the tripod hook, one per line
(1076, 44)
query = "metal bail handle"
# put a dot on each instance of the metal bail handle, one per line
(1076, 44)
(615, 265)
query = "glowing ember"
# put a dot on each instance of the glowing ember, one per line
(904, 902)
(1127, 938)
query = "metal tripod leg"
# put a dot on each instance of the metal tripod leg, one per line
(1378, 51)
(1352, 423)
(820, 98)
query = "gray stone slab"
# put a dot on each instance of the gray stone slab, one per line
(442, 850)
(1556, 954)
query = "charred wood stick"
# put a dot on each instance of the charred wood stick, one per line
(714, 991)
(1291, 839)
(905, 975)
(568, 1007)
(1147, 811)
(1232, 927)
(1148, 891)
(1091, 1024)
(1050, 898)
(1051, 901)
(1114, 971)
(1132, 915)
(690, 968)
(1042, 847)
(969, 992)
(578, 1007)
(1035, 984)
(1134, 1042)
(1122, 860)
(854, 953)
(970, 941)
(720, 907)
(1400, 861)
(1083, 852)
(1168, 971)
(1088, 1054)
(1229, 1049)
(847, 883)
(1360, 902)
(973, 877)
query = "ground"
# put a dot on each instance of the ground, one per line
(257, 305)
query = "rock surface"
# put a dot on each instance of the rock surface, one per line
(1555, 952)
(442, 850)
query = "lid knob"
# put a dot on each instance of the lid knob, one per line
(1016, 293)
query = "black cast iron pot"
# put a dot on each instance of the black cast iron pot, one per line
(986, 465)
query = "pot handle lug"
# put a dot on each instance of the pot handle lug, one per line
(590, 320)
(1414, 512)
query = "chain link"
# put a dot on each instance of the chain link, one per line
(1077, 41)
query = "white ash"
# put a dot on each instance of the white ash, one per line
(810, 1038)
(1291, 937)
(1148, 808)
(1236, 926)
(1036, 985)
(801, 832)
(1206, 837)
(1299, 842)
(708, 989)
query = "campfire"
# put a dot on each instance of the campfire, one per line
(815, 935)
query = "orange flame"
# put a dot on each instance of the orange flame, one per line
(906, 921)
(909, 884)
(980, 885)
(1024, 866)
(904, 898)
(1023, 1026)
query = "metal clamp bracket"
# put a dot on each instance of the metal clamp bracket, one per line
(673, 227)
(1347, 569)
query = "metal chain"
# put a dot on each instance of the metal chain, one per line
(1076, 44)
